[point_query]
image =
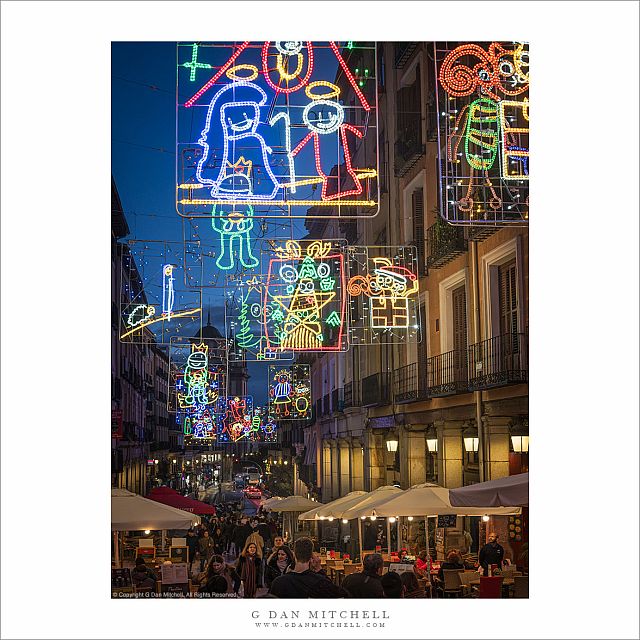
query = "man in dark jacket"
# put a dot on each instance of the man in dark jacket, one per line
(491, 553)
(370, 537)
(192, 543)
(367, 583)
(243, 531)
(303, 581)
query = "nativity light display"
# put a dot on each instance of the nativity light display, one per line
(273, 131)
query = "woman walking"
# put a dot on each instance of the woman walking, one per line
(249, 568)
(278, 564)
(216, 569)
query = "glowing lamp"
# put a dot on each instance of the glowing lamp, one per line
(330, 518)
(147, 532)
(471, 441)
(410, 518)
(520, 437)
(345, 521)
(392, 446)
(485, 518)
(392, 519)
(372, 518)
(363, 517)
(432, 444)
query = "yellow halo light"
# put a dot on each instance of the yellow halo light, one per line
(232, 73)
(334, 93)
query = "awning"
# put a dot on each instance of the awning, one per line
(165, 496)
(335, 508)
(294, 503)
(427, 500)
(370, 501)
(508, 491)
(131, 512)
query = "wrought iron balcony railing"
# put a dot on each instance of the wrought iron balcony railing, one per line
(444, 243)
(402, 52)
(351, 395)
(407, 387)
(499, 361)
(409, 147)
(376, 390)
(447, 374)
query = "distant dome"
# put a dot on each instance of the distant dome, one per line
(208, 332)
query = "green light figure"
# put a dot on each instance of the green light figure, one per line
(194, 64)
(234, 229)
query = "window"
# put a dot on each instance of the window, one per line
(508, 298)
(422, 351)
(417, 218)
(459, 299)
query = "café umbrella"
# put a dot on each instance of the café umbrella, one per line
(292, 504)
(503, 492)
(335, 508)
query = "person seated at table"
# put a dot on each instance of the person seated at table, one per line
(423, 564)
(142, 576)
(402, 557)
(278, 564)
(366, 584)
(392, 585)
(413, 588)
(454, 561)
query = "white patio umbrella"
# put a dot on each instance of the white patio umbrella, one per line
(333, 509)
(270, 501)
(508, 491)
(131, 512)
(427, 500)
(293, 504)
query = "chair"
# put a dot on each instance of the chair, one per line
(521, 586)
(465, 580)
(490, 587)
(452, 584)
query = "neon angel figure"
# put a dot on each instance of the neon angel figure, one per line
(236, 122)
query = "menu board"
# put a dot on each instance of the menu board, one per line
(447, 522)
(175, 573)
(179, 554)
(400, 567)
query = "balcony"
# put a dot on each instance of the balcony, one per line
(444, 243)
(351, 395)
(447, 374)
(406, 385)
(402, 52)
(375, 390)
(337, 399)
(499, 361)
(409, 147)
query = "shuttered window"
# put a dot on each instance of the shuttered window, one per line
(508, 298)
(459, 299)
(422, 353)
(417, 217)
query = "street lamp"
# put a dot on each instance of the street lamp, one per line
(471, 441)
(432, 440)
(392, 446)
(520, 437)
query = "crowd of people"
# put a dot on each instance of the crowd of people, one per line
(235, 555)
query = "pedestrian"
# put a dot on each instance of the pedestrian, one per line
(265, 532)
(219, 569)
(192, 543)
(278, 564)
(243, 531)
(255, 537)
(491, 553)
(217, 538)
(392, 585)
(142, 576)
(370, 537)
(366, 584)
(230, 530)
(278, 542)
(302, 581)
(249, 568)
(205, 548)
(412, 586)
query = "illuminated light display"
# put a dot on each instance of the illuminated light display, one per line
(290, 392)
(197, 375)
(485, 104)
(282, 57)
(234, 230)
(383, 289)
(269, 104)
(495, 73)
(232, 73)
(168, 294)
(308, 286)
(240, 135)
(248, 309)
(235, 419)
(156, 304)
(194, 64)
